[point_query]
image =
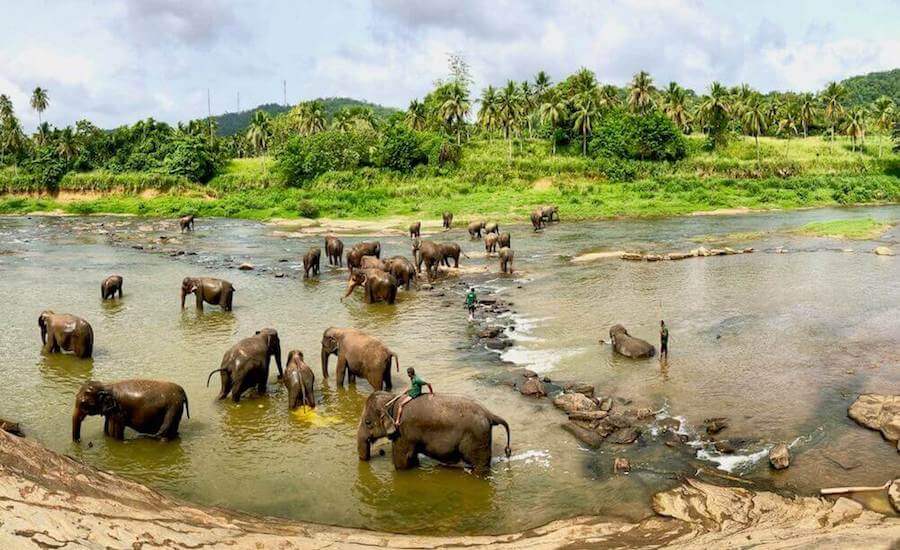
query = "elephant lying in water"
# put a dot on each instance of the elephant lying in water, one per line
(629, 346)
(246, 364)
(64, 332)
(358, 354)
(448, 428)
(151, 407)
(299, 381)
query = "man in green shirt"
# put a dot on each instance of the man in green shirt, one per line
(471, 298)
(415, 390)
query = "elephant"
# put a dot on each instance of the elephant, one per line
(475, 229)
(490, 242)
(448, 251)
(246, 364)
(428, 252)
(379, 285)
(150, 407)
(629, 346)
(445, 427)
(334, 249)
(504, 240)
(448, 219)
(210, 290)
(186, 223)
(357, 251)
(537, 219)
(299, 381)
(491, 227)
(371, 262)
(415, 230)
(550, 213)
(110, 286)
(506, 259)
(402, 269)
(311, 262)
(64, 332)
(358, 355)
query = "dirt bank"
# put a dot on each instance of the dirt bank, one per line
(52, 501)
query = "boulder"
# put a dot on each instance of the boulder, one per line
(575, 402)
(606, 404)
(588, 416)
(894, 494)
(11, 427)
(679, 255)
(724, 446)
(715, 425)
(490, 332)
(883, 251)
(621, 466)
(246, 266)
(590, 438)
(632, 256)
(579, 387)
(498, 343)
(878, 412)
(532, 387)
(653, 257)
(626, 437)
(780, 456)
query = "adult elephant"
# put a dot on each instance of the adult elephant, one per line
(450, 251)
(357, 251)
(428, 252)
(371, 262)
(550, 213)
(491, 227)
(379, 285)
(415, 230)
(506, 259)
(186, 223)
(150, 407)
(210, 290)
(311, 262)
(447, 219)
(110, 286)
(490, 243)
(334, 249)
(445, 427)
(246, 364)
(64, 332)
(475, 229)
(537, 219)
(629, 346)
(299, 381)
(504, 240)
(402, 269)
(358, 355)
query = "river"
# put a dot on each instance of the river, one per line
(779, 343)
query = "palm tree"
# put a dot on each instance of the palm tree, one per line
(508, 111)
(884, 112)
(675, 106)
(755, 121)
(6, 108)
(541, 85)
(806, 111)
(488, 117)
(715, 111)
(259, 131)
(343, 121)
(42, 134)
(831, 97)
(455, 109)
(527, 103)
(39, 101)
(640, 95)
(585, 111)
(415, 115)
(552, 111)
(310, 117)
(608, 97)
(583, 82)
(67, 146)
(856, 126)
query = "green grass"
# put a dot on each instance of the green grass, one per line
(857, 228)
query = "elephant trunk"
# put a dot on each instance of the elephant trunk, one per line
(325, 355)
(183, 294)
(43, 333)
(77, 418)
(363, 445)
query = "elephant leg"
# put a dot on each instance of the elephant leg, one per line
(388, 385)
(351, 378)
(476, 453)
(340, 369)
(199, 296)
(376, 381)
(237, 390)
(392, 295)
(106, 426)
(456, 262)
(263, 382)
(404, 454)
(169, 427)
(49, 343)
(227, 385)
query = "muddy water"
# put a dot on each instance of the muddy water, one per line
(780, 344)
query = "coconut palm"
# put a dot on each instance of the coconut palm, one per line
(856, 126)
(488, 116)
(259, 132)
(6, 108)
(608, 97)
(583, 82)
(415, 115)
(884, 113)
(640, 94)
(806, 111)
(527, 98)
(43, 134)
(455, 108)
(755, 120)
(585, 112)
(541, 85)
(39, 101)
(509, 111)
(675, 106)
(832, 97)
(67, 145)
(310, 117)
(343, 121)
(553, 110)
(715, 111)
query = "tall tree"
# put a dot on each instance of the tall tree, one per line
(585, 113)
(807, 107)
(856, 126)
(754, 120)
(553, 110)
(608, 97)
(67, 145)
(488, 116)
(415, 115)
(832, 98)
(715, 111)
(39, 101)
(541, 85)
(527, 97)
(259, 132)
(508, 111)
(675, 106)
(640, 93)
(884, 113)
(455, 109)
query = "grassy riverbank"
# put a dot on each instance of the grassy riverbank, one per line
(791, 174)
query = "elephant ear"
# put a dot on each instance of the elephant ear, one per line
(108, 404)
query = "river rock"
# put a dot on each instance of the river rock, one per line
(246, 266)
(679, 255)
(590, 438)
(715, 425)
(621, 465)
(606, 404)
(490, 332)
(632, 256)
(498, 343)
(883, 251)
(669, 423)
(894, 494)
(575, 402)
(724, 446)
(625, 437)
(878, 412)
(780, 456)
(11, 427)
(579, 387)
(653, 257)
(588, 416)
(532, 387)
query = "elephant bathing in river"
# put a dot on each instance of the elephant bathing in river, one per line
(311, 261)
(357, 251)
(110, 286)
(448, 251)
(299, 381)
(334, 249)
(246, 364)
(150, 407)
(491, 227)
(429, 253)
(208, 289)
(550, 213)
(186, 223)
(475, 229)
(490, 243)
(379, 285)
(629, 346)
(504, 240)
(448, 428)
(447, 219)
(537, 218)
(415, 230)
(506, 259)
(64, 332)
(402, 269)
(358, 354)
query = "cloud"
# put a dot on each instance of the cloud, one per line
(191, 23)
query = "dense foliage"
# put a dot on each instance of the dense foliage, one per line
(236, 123)
(865, 89)
(639, 137)
(305, 157)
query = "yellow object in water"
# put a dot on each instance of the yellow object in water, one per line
(310, 416)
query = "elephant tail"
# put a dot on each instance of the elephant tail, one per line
(396, 361)
(210, 375)
(497, 421)
(187, 409)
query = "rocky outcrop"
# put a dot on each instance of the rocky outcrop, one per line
(780, 456)
(883, 251)
(878, 412)
(52, 501)
(700, 252)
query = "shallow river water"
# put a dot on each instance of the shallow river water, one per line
(779, 343)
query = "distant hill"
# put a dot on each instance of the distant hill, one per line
(865, 89)
(233, 123)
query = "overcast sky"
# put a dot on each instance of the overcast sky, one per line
(116, 62)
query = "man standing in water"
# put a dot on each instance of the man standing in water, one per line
(663, 341)
(471, 298)
(415, 390)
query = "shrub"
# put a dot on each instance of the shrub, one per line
(399, 149)
(307, 209)
(305, 157)
(645, 137)
(191, 158)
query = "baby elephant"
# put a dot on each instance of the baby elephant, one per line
(415, 230)
(490, 243)
(506, 259)
(110, 286)
(64, 332)
(150, 407)
(311, 261)
(299, 381)
(186, 223)
(447, 219)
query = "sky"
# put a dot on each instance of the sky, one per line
(115, 62)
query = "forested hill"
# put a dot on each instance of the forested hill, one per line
(864, 89)
(233, 123)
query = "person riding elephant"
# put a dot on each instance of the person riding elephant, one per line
(448, 251)
(428, 252)
(506, 259)
(491, 227)
(447, 219)
(357, 251)
(447, 428)
(475, 229)
(311, 261)
(299, 381)
(629, 346)
(110, 286)
(186, 223)
(537, 218)
(63, 332)
(402, 269)
(246, 364)
(334, 249)
(358, 355)
(504, 240)
(150, 407)
(379, 285)
(550, 213)
(210, 290)
(490, 243)
(415, 230)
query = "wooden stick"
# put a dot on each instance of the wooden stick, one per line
(840, 490)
